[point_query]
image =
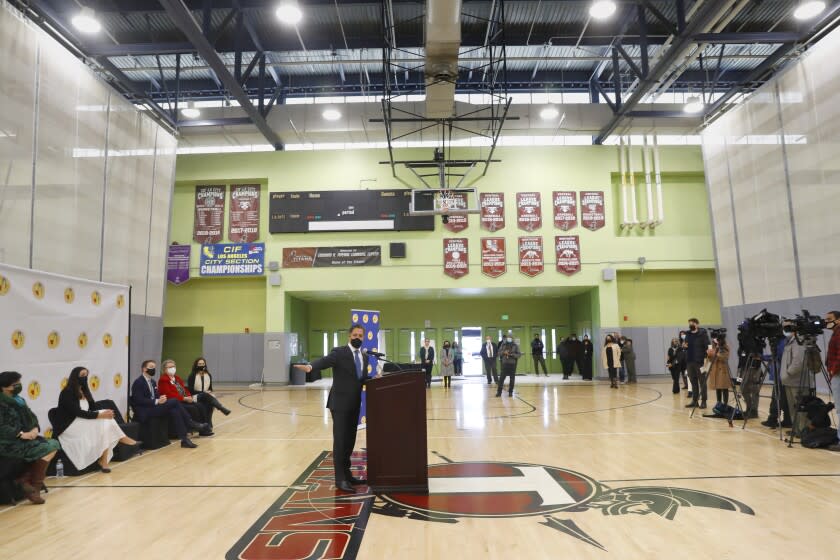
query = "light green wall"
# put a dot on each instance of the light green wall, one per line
(667, 297)
(220, 305)
(682, 242)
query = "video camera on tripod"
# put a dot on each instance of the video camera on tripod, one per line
(806, 325)
(754, 331)
(717, 334)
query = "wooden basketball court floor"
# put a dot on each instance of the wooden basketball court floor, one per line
(561, 470)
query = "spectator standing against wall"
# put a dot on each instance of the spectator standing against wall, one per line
(537, 348)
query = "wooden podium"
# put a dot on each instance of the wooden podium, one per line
(396, 433)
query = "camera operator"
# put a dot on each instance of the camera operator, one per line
(749, 365)
(696, 343)
(832, 358)
(720, 376)
(796, 386)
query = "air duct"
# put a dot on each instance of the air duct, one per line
(649, 221)
(660, 216)
(443, 41)
(634, 220)
(622, 165)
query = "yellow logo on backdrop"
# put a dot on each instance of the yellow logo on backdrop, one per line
(34, 390)
(95, 298)
(370, 335)
(120, 301)
(38, 290)
(107, 340)
(369, 368)
(365, 318)
(364, 419)
(94, 382)
(375, 319)
(355, 317)
(117, 380)
(5, 285)
(82, 340)
(53, 340)
(63, 383)
(69, 295)
(49, 433)
(18, 339)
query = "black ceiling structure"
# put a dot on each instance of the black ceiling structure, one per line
(168, 52)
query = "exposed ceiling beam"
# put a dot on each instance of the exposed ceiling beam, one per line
(181, 16)
(747, 38)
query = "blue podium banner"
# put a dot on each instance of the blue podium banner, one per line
(370, 321)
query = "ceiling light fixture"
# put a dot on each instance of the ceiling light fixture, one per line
(808, 9)
(331, 114)
(602, 9)
(289, 12)
(549, 113)
(190, 112)
(86, 22)
(693, 105)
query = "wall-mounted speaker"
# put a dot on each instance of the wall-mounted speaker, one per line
(274, 279)
(608, 274)
(273, 266)
(397, 250)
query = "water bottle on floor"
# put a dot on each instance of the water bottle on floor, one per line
(59, 469)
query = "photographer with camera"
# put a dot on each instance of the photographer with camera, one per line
(795, 378)
(832, 358)
(696, 343)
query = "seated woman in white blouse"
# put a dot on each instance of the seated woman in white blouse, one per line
(200, 384)
(86, 434)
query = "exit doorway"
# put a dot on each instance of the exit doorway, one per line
(471, 351)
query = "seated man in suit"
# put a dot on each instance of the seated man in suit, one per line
(148, 403)
(349, 365)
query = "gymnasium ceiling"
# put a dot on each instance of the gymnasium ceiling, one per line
(555, 54)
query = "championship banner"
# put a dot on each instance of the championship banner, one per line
(50, 324)
(531, 260)
(567, 249)
(455, 258)
(370, 321)
(528, 211)
(493, 256)
(458, 222)
(492, 211)
(309, 257)
(232, 259)
(592, 210)
(209, 213)
(244, 213)
(565, 209)
(178, 264)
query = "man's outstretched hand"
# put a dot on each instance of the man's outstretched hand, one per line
(305, 367)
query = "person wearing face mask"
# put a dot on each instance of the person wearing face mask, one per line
(588, 351)
(832, 359)
(488, 356)
(447, 364)
(147, 402)
(610, 359)
(200, 384)
(628, 358)
(350, 373)
(537, 347)
(672, 361)
(427, 360)
(509, 355)
(87, 430)
(172, 386)
(696, 343)
(682, 363)
(20, 437)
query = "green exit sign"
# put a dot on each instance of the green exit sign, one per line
(505, 317)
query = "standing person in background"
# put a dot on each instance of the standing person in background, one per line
(488, 356)
(720, 377)
(628, 356)
(537, 347)
(587, 350)
(610, 358)
(564, 352)
(427, 360)
(458, 359)
(508, 355)
(621, 371)
(682, 363)
(696, 343)
(577, 353)
(673, 363)
(447, 367)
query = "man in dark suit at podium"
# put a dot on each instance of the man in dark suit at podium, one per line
(349, 365)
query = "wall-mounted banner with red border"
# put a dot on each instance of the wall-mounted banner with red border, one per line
(528, 211)
(244, 213)
(459, 222)
(493, 256)
(565, 209)
(592, 209)
(531, 260)
(209, 213)
(455, 257)
(567, 249)
(492, 210)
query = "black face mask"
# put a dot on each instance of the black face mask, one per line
(446, 346)
(692, 327)
(83, 382)
(150, 372)
(356, 343)
(200, 368)
(17, 388)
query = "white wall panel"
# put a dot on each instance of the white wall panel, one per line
(159, 235)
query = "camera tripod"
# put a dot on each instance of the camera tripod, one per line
(807, 384)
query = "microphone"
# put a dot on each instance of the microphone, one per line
(375, 354)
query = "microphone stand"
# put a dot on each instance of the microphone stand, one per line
(387, 361)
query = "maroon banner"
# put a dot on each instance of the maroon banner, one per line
(455, 257)
(456, 223)
(531, 260)
(492, 211)
(244, 219)
(209, 213)
(528, 211)
(592, 210)
(493, 256)
(565, 209)
(567, 249)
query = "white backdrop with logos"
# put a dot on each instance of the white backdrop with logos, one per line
(50, 324)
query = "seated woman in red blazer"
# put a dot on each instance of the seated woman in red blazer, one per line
(172, 387)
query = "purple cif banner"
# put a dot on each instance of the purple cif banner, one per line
(178, 264)
(370, 321)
